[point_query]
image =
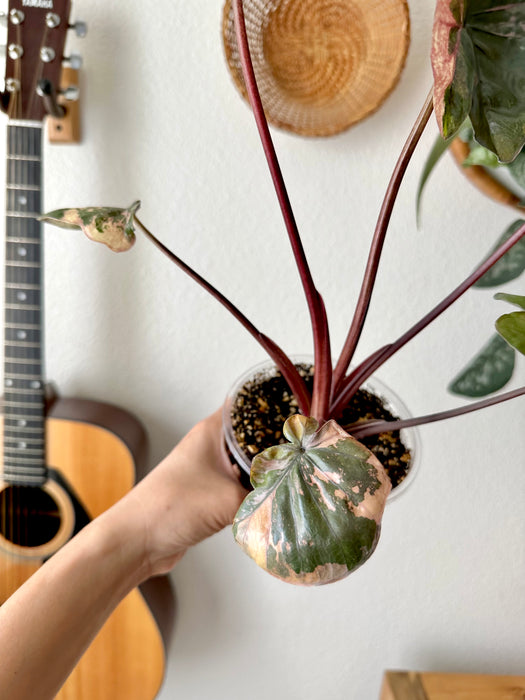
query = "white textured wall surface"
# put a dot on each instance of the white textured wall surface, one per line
(162, 122)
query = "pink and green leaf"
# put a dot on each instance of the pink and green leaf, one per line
(477, 59)
(315, 513)
(109, 225)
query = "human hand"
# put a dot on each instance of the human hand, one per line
(192, 494)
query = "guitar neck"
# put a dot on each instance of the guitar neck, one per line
(24, 400)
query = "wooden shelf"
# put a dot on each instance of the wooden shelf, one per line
(412, 685)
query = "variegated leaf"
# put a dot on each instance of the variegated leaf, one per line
(109, 225)
(477, 59)
(315, 512)
(510, 265)
(487, 372)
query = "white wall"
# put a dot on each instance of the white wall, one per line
(163, 123)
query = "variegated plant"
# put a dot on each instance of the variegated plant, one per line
(315, 512)
(477, 56)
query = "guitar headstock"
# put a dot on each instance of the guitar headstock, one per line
(36, 38)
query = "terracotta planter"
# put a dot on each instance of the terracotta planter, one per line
(389, 400)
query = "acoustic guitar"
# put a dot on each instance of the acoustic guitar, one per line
(65, 461)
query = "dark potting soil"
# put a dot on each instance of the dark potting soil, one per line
(265, 402)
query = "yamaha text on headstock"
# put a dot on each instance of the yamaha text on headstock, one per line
(65, 464)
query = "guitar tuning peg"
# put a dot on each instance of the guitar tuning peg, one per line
(75, 61)
(80, 29)
(71, 93)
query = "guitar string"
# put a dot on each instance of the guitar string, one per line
(38, 73)
(28, 142)
(25, 141)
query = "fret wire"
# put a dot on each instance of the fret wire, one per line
(27, 477)
(23, 326)
(20, 344)
(24, 159)
(19, 361)
(14, 263)
(23, 452)
(25, 404)
(22, 390)
(23, 480)
(24, 471)
(32, 455)
(30, 460)
(22, 285)
(13, 420)
(37, 443)
(25, 428)
(22, 307)
(12, 375)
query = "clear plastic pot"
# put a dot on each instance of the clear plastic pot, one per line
(409, 436)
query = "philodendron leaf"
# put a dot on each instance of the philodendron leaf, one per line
(515, 299)
(511, 327)
(437, 150)
(488, 371)
(477, 59)
(508, 267)
(479, 155)
(315, 513)
(109, 225)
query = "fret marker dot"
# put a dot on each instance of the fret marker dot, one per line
(9, 382)
(22, 200)
(21, 296)
(21, 335)
(22, 251)
(22, 445)
(35, 385)
(21, 423)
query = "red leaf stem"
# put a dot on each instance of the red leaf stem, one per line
(322, 355)
(283, 363)
(373, 427)
(376, 248)
(360, 368)
(370, 365)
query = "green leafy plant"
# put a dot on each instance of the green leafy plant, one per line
(492, 367)
(315, 512)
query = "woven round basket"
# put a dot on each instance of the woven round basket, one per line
(321, 65)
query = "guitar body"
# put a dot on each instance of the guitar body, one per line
(97, 452)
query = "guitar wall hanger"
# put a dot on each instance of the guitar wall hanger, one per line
(66, 129)
(48, 94)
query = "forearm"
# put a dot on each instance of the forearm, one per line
(49, 622)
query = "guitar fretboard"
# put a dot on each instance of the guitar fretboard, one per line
(24, 404)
